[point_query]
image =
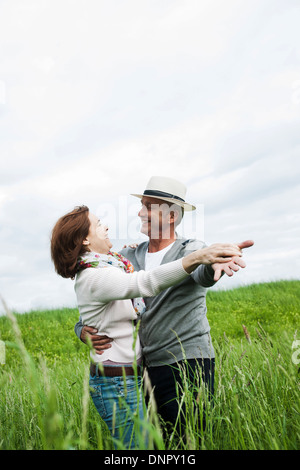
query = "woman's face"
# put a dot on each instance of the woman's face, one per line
(97, 239)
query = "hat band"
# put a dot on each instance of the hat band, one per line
(150, 192)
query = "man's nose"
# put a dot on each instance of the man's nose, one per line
(142, 211)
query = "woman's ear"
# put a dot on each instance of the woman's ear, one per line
(85, 242)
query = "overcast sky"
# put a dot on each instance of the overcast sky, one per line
(98, 96)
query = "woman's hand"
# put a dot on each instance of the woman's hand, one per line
(218, 253)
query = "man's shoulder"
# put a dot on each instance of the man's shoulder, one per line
(136, 255)
(129, 252)
(192, 244)
(182, 247)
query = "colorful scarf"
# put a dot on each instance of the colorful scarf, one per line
(97, 260)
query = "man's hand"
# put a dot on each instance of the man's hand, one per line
(231, 266)
(228, 268)
(99, 343)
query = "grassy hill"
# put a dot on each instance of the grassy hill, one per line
(44, 402)
(274, 306)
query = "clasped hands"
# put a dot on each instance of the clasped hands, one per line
(233, 265)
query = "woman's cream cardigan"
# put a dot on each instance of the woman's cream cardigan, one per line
(103, 298)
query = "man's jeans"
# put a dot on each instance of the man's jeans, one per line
(116, 402)
(167, 383)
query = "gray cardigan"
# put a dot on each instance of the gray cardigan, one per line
(174, 325)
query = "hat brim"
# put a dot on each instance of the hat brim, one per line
(184, 205)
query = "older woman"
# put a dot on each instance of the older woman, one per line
(110, 298)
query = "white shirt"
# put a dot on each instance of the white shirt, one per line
(152, 260)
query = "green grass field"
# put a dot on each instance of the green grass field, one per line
(44, 398)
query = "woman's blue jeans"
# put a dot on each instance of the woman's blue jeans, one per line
(118, 402)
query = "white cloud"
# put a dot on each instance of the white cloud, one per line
(101, 95)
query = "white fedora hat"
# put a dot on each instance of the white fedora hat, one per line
(167, 189)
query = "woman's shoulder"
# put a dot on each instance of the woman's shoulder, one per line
(90, 275)
(96, 271)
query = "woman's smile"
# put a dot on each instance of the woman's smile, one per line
(98, 239)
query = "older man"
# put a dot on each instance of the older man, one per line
(174, 330)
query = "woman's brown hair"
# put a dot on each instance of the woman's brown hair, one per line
(66, 241)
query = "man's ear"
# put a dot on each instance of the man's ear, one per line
(173, 217)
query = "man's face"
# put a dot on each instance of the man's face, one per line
(155, 218)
